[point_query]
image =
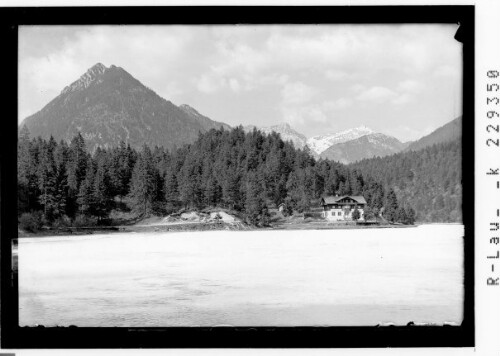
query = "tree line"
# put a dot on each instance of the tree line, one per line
(247, 172)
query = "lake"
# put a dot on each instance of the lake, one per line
(242, 278)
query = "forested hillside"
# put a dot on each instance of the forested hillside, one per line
(429, 179)
(246, 172)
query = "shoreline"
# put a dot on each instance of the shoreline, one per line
(193, 227)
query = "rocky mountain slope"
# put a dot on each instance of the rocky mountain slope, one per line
(108, 105)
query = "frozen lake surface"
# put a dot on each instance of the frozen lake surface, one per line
(241, 278)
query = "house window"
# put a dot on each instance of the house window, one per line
(340, 213)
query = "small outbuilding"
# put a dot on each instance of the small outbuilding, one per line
(340, 208)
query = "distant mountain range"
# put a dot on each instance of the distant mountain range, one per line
(319, 144)
(358, 143)
(367, 146)
(108, 105)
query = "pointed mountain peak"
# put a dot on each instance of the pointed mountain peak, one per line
(97, 68)
(87, 78)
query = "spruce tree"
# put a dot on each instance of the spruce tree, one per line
(76, 168)
(255, 209)
(101, 193)
(47, 180)
(85, 197)
(171, 192)
(410, 214)
(401, 215)
(143, 185)
(26, 175)
(356, 214)
(391, 206)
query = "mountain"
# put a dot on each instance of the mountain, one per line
(286, 132)
(318, 144)
(446, 133)
(107, 105)
(368, 146)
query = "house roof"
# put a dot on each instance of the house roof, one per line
(334, 199)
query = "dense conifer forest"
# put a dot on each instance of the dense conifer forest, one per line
(62, 183)
(430, 178)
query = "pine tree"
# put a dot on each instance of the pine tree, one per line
(101, 193)
(85, 195)
(171, 192)
(391, 206)
(61, 182)
(144, 189)
(77, 162)
(368, 213)
(356, 214)
(212, 191)
(410, 214)
(123, 164)
(255, 209)
(401, 215)
(76, 168)
(26, 173)
(47, 180)
(231, 189)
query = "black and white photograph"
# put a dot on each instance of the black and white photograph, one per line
(240, 175)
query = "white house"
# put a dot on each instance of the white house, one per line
(339, 208)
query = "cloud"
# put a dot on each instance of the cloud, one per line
(357, 87)
(297, 93)
(411, 86)
(309, 114)
(172, 90)
(403, 99)
(299, 104)
(234, 84)
(335, 75)
(339, 104)
(404, 93)
(208, 84)
(447, 71)
(377, 94)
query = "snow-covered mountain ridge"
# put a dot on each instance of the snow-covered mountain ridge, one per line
(321, 143)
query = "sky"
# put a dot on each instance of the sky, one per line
(401, 80)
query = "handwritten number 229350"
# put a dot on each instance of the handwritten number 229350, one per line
(493, 74)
